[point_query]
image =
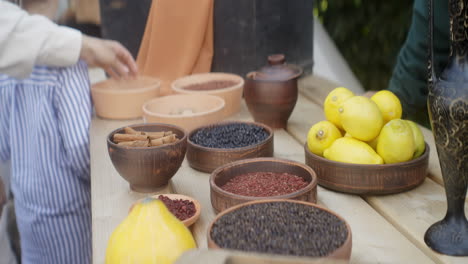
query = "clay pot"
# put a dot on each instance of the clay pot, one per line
(188, 111)
(271, 92)
(122, 99)
(232, 94)
(222, 200)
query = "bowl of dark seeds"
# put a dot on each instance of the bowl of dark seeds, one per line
(259, 179)
(284, 227)
(212, 146)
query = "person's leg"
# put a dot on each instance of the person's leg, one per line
(50, 162)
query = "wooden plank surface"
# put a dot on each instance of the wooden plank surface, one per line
(410, 212)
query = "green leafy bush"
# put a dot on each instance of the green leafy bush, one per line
(369, 34)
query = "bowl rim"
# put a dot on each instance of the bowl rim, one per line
(218, 108)
(194, 145)
(187, 222)
(423, 156)
(111, 143)
(96, 87)
(310, 186)
(175, 85)
(236, 207)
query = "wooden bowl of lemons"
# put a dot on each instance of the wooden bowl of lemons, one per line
(364, 147)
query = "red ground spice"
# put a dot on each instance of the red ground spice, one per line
(263, 184)
(210, 85)
(182, 209)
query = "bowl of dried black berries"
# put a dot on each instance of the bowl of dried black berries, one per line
(209, 147)
(259, 179)
(284, 227)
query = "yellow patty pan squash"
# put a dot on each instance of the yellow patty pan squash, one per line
(149, 234)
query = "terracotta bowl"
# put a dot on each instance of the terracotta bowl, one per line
(188, 111)
(122, 99)
(232, 95)
(222, 200)
(343, 252)
(147, 169)
(187, 222)
(208, 159)
(368, 179)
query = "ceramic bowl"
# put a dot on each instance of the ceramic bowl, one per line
(122, 99)
(222, 200)
(188, 111)
(343, 252)
(187, 222)
(369, 179)
(207, 159)
(147, 169)
(232, 95)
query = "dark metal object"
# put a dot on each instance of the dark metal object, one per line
(448, 112)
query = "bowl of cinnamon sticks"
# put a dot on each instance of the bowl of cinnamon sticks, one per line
(147, 155)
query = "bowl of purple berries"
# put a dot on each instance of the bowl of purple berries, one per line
(212, 146)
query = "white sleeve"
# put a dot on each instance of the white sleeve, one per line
(28, 40)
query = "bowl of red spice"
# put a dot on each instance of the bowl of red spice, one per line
(183, 207)
(225, 85)
(261, 178)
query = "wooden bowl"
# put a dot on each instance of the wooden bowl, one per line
(232, 95)
(147, 169)
(343, 252)
(368, 179)
(187, 222)
(222, 200)
(208, 159)
(188, 111)
(122, 99)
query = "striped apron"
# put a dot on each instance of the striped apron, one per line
(44, 130)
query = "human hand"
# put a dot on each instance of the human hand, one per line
(110, 55)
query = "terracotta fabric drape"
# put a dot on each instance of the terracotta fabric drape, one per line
(178, 40)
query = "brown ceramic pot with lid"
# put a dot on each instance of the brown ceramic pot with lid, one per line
(271, 92)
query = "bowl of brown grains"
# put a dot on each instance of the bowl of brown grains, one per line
(284, 227)
(183, 207)
(261, 178)
(225, 85)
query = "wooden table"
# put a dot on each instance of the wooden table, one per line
(386, 229)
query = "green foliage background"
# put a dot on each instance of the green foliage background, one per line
(369, 34)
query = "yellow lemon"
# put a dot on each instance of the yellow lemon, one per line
(396, 142)
(321, 136)
(348, 135)
(373, 143)
(361, 118)
(389, 105)
(333, 103)
(420, 146)
(351, 150)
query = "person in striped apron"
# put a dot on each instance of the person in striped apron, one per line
(45, 113)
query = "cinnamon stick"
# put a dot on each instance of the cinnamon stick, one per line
(135, 143)
(129, 130)
(128, 137)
